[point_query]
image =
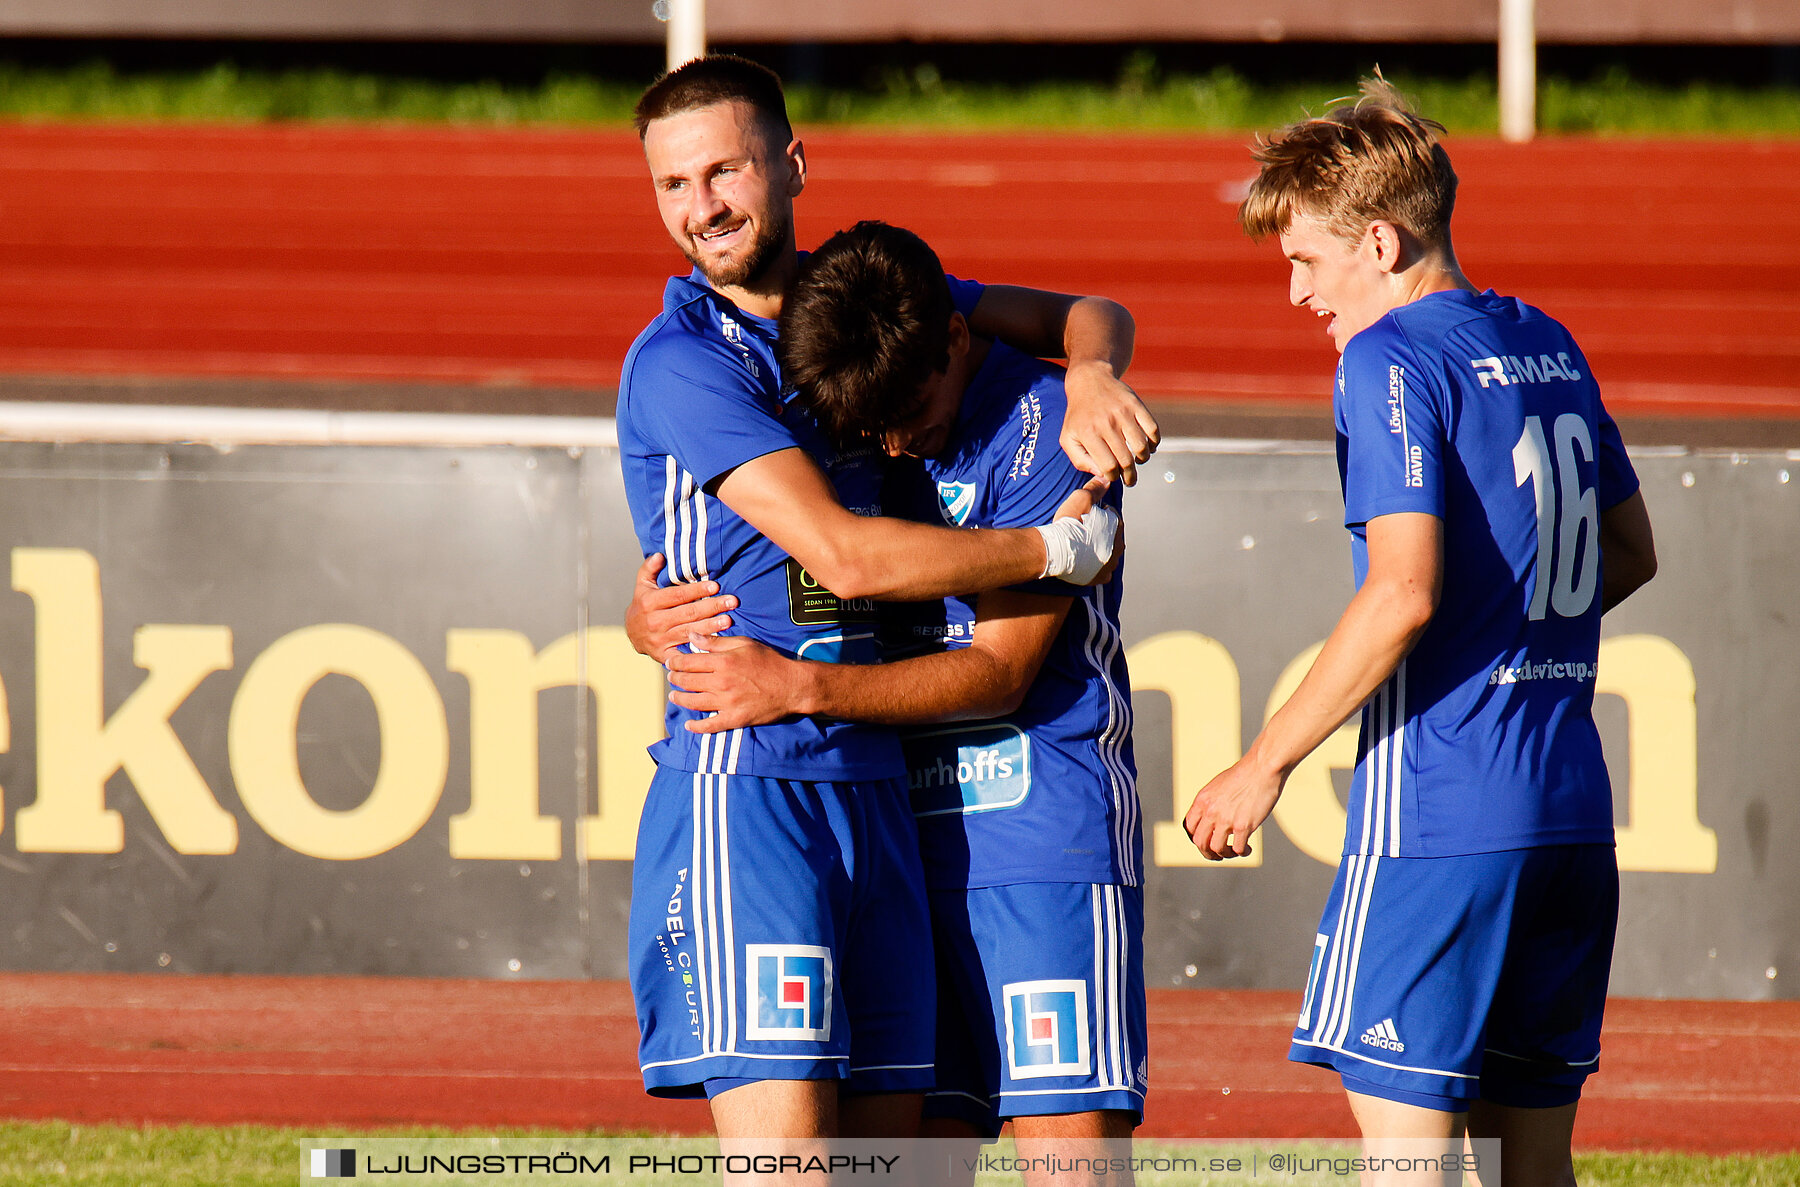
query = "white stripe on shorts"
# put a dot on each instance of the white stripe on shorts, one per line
(1366, 894)
(731, 971)
(697, 897)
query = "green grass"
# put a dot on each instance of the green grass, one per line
(1686, 1170)
(42, 1154)
(226, 94)
(1142, 98)
(36, 1154)
(58, 1154)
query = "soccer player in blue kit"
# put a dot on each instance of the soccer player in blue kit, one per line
(1460, 969)
(1015, 720)
(778, 939)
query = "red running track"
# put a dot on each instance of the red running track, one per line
(534, 257)
(361, 1052)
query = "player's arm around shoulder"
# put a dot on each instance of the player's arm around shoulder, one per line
(787, 498)
(1108, 430)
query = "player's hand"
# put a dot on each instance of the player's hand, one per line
(1083, 499)
(1112, 566)
(1106, 430)
(660, 618)
(1230, 808)
(737, 680)
(1077, 550)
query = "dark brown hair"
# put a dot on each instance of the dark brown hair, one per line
(1368, 159)
(717, 78)
(866, 323)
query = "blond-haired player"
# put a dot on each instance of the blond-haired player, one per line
(1459, 972)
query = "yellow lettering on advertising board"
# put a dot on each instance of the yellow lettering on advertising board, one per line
(1205, 735)
(1663, 832)
(5, 741)
(505, 818)
(505, 675)
(265, 763)
(79, 748)
(631, 718)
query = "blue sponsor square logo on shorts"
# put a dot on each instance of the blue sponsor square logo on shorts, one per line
(968, 768)
(790, 991)
(1046, 1029)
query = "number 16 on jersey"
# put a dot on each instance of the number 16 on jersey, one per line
(1568, 515)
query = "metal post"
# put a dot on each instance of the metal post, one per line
(687, 30)
(1518, 70)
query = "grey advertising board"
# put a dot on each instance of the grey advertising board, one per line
(368, 709)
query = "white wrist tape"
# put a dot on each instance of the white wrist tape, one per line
(1075, 550)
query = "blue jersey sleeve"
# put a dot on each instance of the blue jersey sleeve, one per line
(1391, 420)
(965, 294)
(1030, 476)
(706, 409)
(1618, 481)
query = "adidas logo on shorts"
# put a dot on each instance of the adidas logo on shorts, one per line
(1382, 1035)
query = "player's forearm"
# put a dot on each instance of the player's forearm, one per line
(1377, 630)
(962, 685)
(1099, 332)
(1057, 325)
(899, 561)
(1106, 429)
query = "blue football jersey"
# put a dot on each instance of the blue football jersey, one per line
(1482, 411)
(1049, 793)
(701, 394)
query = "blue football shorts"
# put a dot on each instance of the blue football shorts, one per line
(1040, 1001)
(779, 931)
(1439, 980)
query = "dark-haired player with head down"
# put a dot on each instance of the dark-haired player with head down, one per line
(1460, 969)
(1015, 717)
(779, 950)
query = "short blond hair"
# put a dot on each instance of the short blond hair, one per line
(1365, 160)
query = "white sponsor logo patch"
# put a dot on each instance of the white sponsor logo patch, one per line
(1382, 1035)
(1508, 369)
